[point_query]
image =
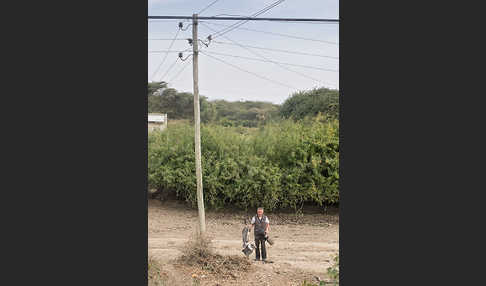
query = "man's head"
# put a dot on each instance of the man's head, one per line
(260, 211)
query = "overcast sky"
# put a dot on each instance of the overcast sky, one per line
(218, 80)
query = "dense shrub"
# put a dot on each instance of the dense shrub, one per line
(276, 166)
(311, 102)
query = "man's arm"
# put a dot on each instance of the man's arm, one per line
(252, 224)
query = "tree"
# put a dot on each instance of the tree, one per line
(310, 103)
(155, 86)
(180, 105)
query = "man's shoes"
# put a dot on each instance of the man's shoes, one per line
(257, 259)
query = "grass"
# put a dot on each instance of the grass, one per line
(156, 276)
(199, 252)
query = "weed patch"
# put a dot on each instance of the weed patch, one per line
(198, 252)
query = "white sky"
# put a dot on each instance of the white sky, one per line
(220, 81)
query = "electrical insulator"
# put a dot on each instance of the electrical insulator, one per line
(209, 38)
(190, 41)
(180, 25)
(180, 55)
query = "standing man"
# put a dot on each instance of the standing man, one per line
(261, 226)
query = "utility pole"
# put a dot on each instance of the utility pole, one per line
(197, 123)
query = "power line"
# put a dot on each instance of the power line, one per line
(246, 19)
(273, 33)
(249, 18)
(185, 65)
(162, 20)
(300, 21)
(262, 48)
(161, 51)
(169, 69)
(211, 4)
(170, 46)
(231, 15)
(237, 24)
(270, 61)
(266, 59)
(167, 19)
(278, 50)
(165, 39)
(252, 73)
(167, 51)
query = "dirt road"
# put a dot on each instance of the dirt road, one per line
(303, 245)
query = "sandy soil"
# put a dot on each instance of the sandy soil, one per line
(302, 250)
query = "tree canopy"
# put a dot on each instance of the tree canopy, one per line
(155, 86)
(180, 105)
(310, 103)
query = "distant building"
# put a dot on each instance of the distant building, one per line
(157, 121)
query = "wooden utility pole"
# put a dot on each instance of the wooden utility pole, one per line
(197, 123)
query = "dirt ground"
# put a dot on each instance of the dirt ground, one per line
(302, 251)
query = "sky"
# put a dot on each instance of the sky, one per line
(218, 80)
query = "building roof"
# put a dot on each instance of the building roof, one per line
(156, 117)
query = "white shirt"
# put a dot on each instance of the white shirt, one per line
(254, 218)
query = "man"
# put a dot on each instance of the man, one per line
(261, 226)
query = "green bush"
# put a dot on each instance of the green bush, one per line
(311, 102)
(276, 166)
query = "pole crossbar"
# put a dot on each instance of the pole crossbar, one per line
(248, 19)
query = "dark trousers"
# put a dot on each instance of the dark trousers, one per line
(260, 244)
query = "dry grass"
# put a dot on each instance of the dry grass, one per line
(199, 252)
(156, 277)
(178, 122)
